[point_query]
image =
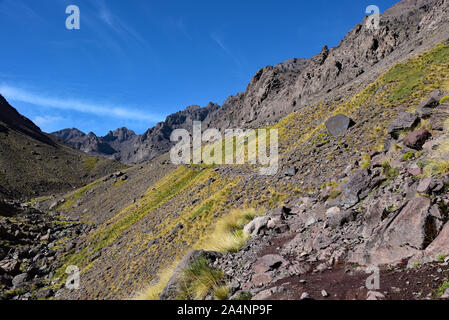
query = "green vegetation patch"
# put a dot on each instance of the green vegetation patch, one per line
(90, 163)
(444, 100)
(199, 280)
(72, 198)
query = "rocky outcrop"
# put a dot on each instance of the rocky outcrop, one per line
(32, 245)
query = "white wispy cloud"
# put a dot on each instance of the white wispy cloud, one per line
(219, 41)
(46, 120)
(122, 29)
(62, 103)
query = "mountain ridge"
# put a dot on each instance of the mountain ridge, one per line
(334, 73)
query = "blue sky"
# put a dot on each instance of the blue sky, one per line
(134, 62)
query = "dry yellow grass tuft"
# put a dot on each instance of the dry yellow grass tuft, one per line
(152, 292)
(228, 235)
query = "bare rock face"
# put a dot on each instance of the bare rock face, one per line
(398, 237)
(440, 246)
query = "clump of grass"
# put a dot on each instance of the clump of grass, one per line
(334, 194)
(228, 235)
(408, 156)
(442, 257)
(366, 161)
(221, 292)
(244, 296)
(442, 289)
(152, 292)
(72, 198)
(90, 163)
(389, 172)
(436, 167)
(199, 280)
(445, 99)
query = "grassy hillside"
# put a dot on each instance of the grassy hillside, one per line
(29, 167)
(185, 206)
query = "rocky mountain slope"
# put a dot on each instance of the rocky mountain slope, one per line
(33, 163)
(334, 73)
(376, 193)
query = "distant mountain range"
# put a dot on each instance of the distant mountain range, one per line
(127, 147)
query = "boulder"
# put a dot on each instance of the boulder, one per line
(268, 262)
(339, 125)
(290, 172)
(439, 246)
(337, 218)
(256, 225)
(417, 139)
(19, 280)
(355, 189)
(399, 236)
(425, 185)
(404, 121)
(426, 107)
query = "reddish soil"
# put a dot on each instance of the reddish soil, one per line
(343, 284)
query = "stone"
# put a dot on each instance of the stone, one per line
(310, 221)
(298, 268)
(424, 185)
(426, 107)
(20, 279)
(411, 225)
(416, 139)
(399, 236)
(256, 225)
(290, 172)
(337, 218)
(374, 295)
(403, 121)
(324, 293)
(439, 246)
(304, 296)
(261, 279)
(355, 189)
(339, 125)
(414, 171)
(263, 295)
(268, 262)
(10, 266)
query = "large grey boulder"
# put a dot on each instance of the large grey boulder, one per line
(339, 124)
